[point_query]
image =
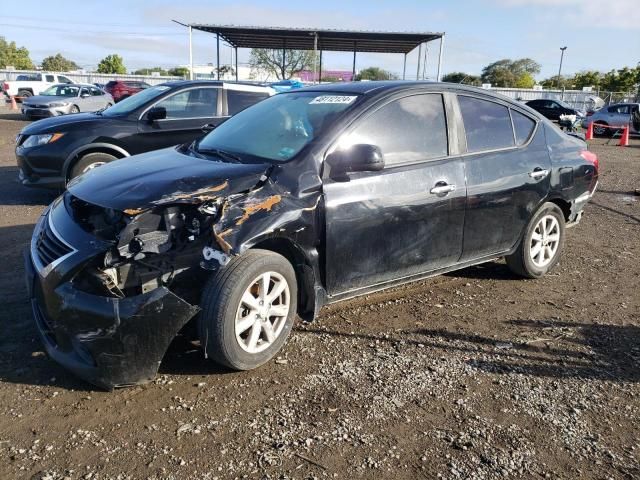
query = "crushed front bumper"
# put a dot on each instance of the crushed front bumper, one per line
(107, 341)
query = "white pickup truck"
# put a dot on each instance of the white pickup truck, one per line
(29, 84)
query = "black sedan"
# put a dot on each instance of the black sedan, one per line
(307, 198)
(53, 151)
(553, 109)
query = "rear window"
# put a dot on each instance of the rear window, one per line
(238, 100)
(523, 126)
(112, 83)
(487, 124)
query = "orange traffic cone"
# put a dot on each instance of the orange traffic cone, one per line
(624, 140)
(589, 135)
(14, 105)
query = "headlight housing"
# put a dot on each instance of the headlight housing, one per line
(38, 140)
(59, 104)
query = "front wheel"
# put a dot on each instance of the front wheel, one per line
(541, 244)
(89, 162)
(600, 129)
(74, 109)
(248, 310)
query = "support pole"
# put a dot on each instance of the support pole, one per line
(404, 67)
(353, 70)
(217, 56)
(284, 55)
(424, 63)
(315, 57)
(320, 72)
(236, 64)
(440, 58)
(419, 58)
(190, 53)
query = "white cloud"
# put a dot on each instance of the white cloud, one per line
(589, 14)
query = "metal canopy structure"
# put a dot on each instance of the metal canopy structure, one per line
(319, 40)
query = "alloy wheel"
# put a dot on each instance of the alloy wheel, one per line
(262, 313)
(545, 240)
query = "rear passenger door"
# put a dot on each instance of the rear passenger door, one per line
(187, 112)
(402, 221)
(508, 170)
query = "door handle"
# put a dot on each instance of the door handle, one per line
(442, 188)
(538, 173)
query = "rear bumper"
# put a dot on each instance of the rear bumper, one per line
(107, 341)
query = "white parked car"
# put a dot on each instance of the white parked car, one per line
(30, 84)
(66, 98)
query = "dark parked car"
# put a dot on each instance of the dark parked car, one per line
(304, 199)
(53, 151)
(121, 89)
(552, 109)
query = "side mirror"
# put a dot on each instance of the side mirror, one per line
(206, 128)
(357, 158)
(85, 95)
(156, 113)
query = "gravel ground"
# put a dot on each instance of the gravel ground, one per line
(475, 374)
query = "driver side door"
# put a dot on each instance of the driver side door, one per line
(187, 112)
(402, 221)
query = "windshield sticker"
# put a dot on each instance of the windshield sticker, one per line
(347, 99)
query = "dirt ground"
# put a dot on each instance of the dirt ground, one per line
(475, 374)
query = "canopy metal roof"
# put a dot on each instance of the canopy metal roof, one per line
(328, 40)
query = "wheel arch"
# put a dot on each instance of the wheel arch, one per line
(564, 205)
(309, 297)
(77, 154)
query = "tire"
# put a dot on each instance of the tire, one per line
(599, 131)
(524, 261)
(24, 94)
(89, 162)
(223, 311)
(74, 109)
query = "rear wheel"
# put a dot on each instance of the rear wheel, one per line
(25, 94)
(541, 244)
(600, 129)
(89, 162)
(248, 309)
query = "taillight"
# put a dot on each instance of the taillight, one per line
(590, 157)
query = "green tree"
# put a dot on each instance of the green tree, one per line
(57, 63)
(112, 64)
(586, 78)
(525, 80)
(149, 71)
(461, 77)
(375, 73)
(509, 73)
(179, 72)
(11, 55)
(271, 61)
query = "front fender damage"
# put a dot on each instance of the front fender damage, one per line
(116, 342)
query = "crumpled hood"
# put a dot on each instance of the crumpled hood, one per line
(162, 177)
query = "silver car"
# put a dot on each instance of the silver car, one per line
(616, 115)
(65, 98)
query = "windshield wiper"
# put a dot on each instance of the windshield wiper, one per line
(219, 153)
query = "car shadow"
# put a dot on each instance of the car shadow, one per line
(618, 212)
(485, 271)
(14, 193)
(554, 348)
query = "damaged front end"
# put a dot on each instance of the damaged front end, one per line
(110, 290)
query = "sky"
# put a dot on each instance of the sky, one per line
(598, 35)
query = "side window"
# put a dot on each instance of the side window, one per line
(195, 103)
(619, 109)
(49, 78)
(63, 79)
(523, 127)
(238, 100)
(409, 129)
(84, 91)
(96, 92)
(487, 124)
